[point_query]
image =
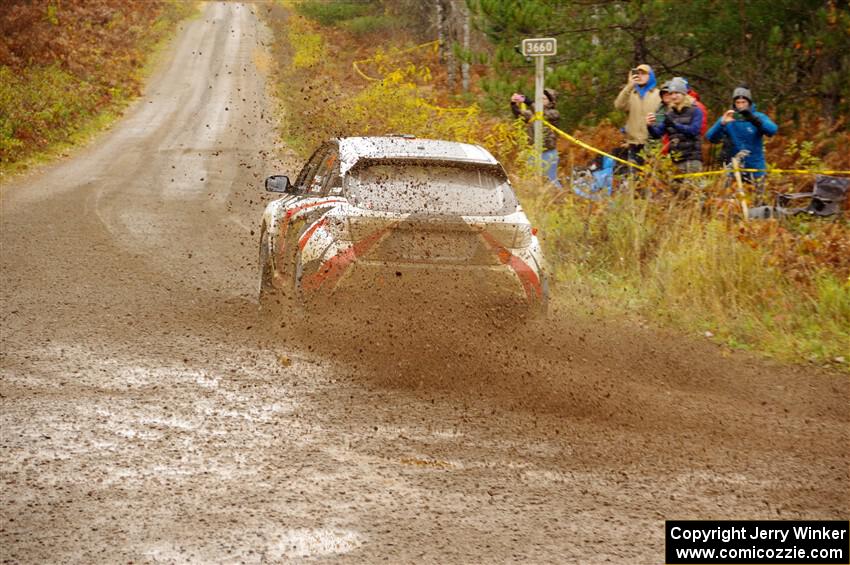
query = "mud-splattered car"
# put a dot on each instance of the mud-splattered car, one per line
(382, 214)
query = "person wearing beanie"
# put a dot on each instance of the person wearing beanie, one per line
(522, 106)
(743, 128)
(665, 141)
(681, 123)
(637, 98)
(693, 94)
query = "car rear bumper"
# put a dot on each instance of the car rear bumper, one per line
(436, 283)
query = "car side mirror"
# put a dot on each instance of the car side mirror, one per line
(279, 183)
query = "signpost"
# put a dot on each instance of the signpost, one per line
(538, 48)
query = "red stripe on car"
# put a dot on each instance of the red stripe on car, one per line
(526, 275)
(332, 270)
(288, 217)
(309, 233)
(289, 213)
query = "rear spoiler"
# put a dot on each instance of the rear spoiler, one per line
(365, 162)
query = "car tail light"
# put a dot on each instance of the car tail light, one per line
(510, 236)
(523, 236)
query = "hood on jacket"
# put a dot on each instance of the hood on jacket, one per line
(650, 84)
(551, 94)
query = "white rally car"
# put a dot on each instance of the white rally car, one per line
(375, 212)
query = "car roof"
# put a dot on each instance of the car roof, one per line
(352, 149)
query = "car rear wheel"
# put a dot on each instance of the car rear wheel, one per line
(539, 309)
(269, 298)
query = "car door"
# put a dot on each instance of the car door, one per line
(312, 200)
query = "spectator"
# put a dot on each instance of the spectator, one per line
(681, 121)
(638, 98)
(693, 94)
(664, 92)
(523, 106)
(742, 128)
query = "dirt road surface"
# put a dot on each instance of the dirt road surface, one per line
(147, 417)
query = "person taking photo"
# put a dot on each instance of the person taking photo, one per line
(638, 98)
(742, 128)
(522, 106)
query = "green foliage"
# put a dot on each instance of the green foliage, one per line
(410, 111)
(803, 155)
(309, 48)
(335, 11)
(795, 55)
(364, 25)
(39, 106)
(52, 13)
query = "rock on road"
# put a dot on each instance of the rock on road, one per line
(146, 418)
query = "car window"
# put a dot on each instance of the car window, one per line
(318, 184)
(333, 183)
(431, 188)
(305, 177)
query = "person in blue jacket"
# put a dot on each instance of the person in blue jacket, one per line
(743, 128)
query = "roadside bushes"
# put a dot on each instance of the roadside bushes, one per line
(671, 262)
(63, 64)
(39, 105)
(330, 13)
(361, 17)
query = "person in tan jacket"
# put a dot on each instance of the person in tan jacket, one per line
(638, 98)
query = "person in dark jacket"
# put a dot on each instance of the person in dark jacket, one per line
(742, 128)
(522, 106)
(681, 121)
(693, 94)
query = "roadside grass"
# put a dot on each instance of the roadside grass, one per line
(365, 25)
(330, 13)
(668, 262)
(357, 17)
(780, 289)
(47, 110)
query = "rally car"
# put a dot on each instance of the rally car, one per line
(374, 213)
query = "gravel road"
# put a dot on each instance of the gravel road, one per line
(147, 416)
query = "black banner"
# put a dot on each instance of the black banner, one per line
(757, 542)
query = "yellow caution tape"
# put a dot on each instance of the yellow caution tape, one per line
(435, 43)
(768, 171)
(644, 169)
(361, 73)
(356, 65)
(589, 147)
(467, 109)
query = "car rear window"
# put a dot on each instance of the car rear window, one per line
(431, 188)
